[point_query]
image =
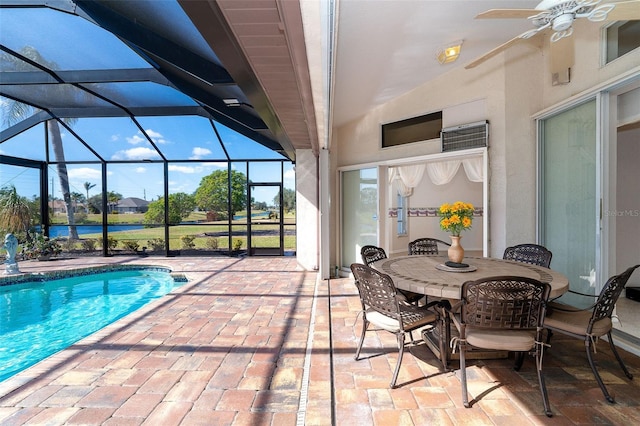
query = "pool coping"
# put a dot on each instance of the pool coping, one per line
(29, 277)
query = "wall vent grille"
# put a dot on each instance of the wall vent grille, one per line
(466, 136)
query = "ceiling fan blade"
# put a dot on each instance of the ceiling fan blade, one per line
(507, 14)
(492, 53)
(504, 46)
(625, 11)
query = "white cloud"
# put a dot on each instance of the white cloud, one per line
(156, 137)
(199, 152)
(141, 170)
(136, 139)
(115, 138)
(214, 165)
(85, 173)
(182, 169)
(290, 174)
(153, 133)
(141, 153)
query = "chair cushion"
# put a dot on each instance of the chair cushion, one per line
(505, 340)
(575, 322)
(419, 319)
(382, 321)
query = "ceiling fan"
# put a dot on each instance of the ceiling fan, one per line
(558, 16)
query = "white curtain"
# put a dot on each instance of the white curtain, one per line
(394, 176)
(411, 175)
(474, 169)
(442, 172)
(406, 177)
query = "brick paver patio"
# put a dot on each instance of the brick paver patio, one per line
(256, 341)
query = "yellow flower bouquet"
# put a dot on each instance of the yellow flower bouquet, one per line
(456, 217)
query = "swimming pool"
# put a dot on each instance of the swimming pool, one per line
(40, 318)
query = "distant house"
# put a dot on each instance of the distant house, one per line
(132, 205)
(57, 207)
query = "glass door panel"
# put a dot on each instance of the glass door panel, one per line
(359, 213)
(570, 200)
(265, 216)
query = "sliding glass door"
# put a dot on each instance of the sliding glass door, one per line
(570, 201)
(359, 213)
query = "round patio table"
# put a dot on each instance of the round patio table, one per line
(426, 275)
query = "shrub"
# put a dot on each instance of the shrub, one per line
(237, 244)
(111, 243)
(212, 243)
(131, 245)
(69, 244)
(41, 246)
(80, 217)
(88, 245)
(156, 244)
(187, 241)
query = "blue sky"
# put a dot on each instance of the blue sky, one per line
(179, 138)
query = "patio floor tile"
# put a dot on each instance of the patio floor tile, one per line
(255, 341)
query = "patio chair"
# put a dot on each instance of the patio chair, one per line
(532, 254)
(592, 322)
(382, 308)
(501, 313)
(372, 254)
(425, 246)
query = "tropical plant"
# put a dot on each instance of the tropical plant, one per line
(15, 212)
(15, 111)
(87, 187)
(212, 243)
(456, 217)
(111, 243)
(156, 244)
(187, 241)
(113, 198)
(88, 244)
(131, 245)
(77, 198)
(41, 246)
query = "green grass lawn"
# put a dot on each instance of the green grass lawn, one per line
(204, 232)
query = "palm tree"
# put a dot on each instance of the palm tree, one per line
(113, 198)
(15, 213)
(77, 198)
(17, 111)
(87, 187)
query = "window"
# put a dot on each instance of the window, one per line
(622, 38)
(402, 215)
(416, 129)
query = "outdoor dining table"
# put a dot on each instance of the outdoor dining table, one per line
(429, 275)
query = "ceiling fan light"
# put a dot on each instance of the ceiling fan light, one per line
(449, 53)
(562, 22)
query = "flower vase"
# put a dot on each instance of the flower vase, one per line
(456, 252)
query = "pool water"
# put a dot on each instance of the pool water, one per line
(38, 319)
